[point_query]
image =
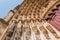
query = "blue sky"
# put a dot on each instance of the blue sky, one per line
(7, 5)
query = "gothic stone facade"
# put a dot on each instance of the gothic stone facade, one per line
(32, 21)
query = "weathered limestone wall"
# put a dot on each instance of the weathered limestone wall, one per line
(3, 26)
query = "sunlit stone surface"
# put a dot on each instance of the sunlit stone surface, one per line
(31, 21)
